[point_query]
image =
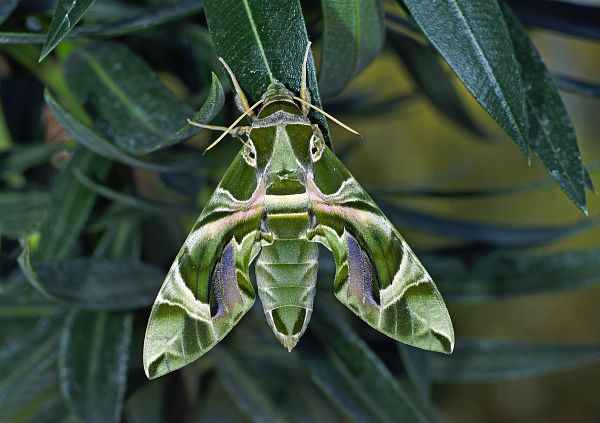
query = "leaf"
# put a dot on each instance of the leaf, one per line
(71, 206)
(149, 17)
(353, 36)
(22, 213)
(27, 348)
(551, 133)
(91, 140)
(20, 158)
(93, 363)
(263, 41)
(351, 375)
(6, 9)
(479, 361)
(416, 363)
(66, 16)
(424, 67)
(502, 274)
(129, 103)
(146, 403)
(94, 282)
(474, 40)
(492, 234)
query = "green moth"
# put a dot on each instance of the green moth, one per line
(285, 192)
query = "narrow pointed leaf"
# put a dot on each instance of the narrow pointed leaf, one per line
(551, 133)
(22, 213)
(66, 16)
(352, 376)
(6, 8)
(22, 158)
(474, 40)
(489, 361)
(416, 363)
(128, 102)
(262, 41)
(433, 80)
(353, 37)
(502, 274)
(94, 350)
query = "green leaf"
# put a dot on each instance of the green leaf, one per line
(423, 65)
(133, 22)
(6, 8)
(129, 103)
(71, 207)
(489, 361)
(263, 41)
(416, 363)
(93, 363)
(27, 348)
(91, 140)
(502, 274)
(97, 283)
(474, 40)
(353, 36)
(66, 16)
(145, 404)
(22, 213)
(551, 133)
(20, 158)
(351, 375)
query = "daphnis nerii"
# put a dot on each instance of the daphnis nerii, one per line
(285, 192)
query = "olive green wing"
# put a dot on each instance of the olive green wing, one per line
(208, 289)
(377, 275)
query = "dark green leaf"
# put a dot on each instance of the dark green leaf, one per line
(351, 375)
(93, 363)
(263, 41)
(129, 103)
(129, 200)
(6, 8)
(424, 67)
(474, 40)
(95, 282)
(145, 404)
(133, 22)
(21, 158)
(489, 361)
(22, 212)
(551, 133)
(66, 16)
(353, 37)
(71, 207)
(501, 274)
(501, 235)
(416, 363)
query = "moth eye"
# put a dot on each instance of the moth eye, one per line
(249, 153)
(316, 148)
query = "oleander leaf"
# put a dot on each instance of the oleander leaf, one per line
(353, 36)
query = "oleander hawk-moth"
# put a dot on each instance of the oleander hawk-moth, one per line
(285, 192)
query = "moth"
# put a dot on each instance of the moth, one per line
(284, 193)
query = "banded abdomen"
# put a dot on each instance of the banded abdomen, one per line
(286, 269)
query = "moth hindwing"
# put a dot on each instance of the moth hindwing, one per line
(284, 193)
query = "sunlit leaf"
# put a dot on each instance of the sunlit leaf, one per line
(93, 363)
(66, 16)
(475, 33)
(353, 36)
(479, 361)
(128, 102)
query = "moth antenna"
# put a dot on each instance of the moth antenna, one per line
(240, 94)
(227, 130)
(303, 83)
(209, 127)
(324, 113)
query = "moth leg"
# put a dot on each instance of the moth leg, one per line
(240, 99)
(304, 93)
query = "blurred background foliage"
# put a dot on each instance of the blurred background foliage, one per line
(102, 179)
